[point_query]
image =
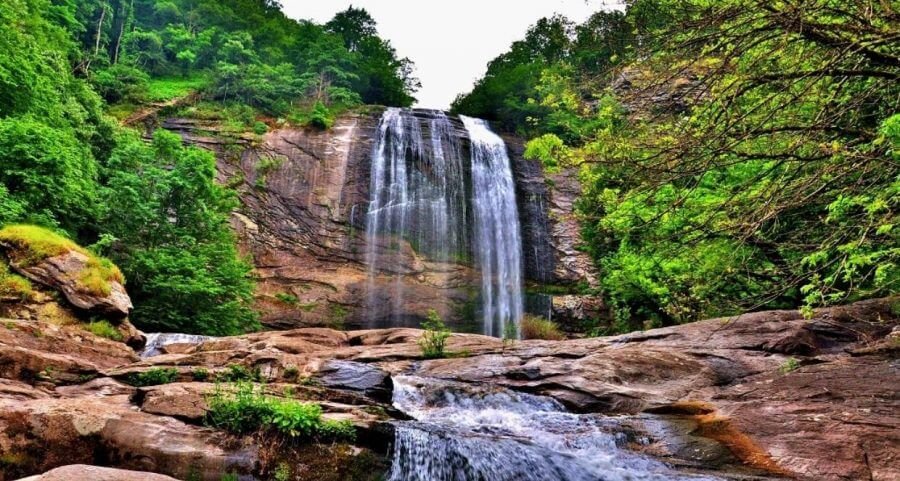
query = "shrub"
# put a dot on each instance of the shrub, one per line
(434, 339)
(237, 372)
(104, 329)
(243, 408)
(291, 372)
(153, 377)
(286, 298)
(200, 374)
(534, 327)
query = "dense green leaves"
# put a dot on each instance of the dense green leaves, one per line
(155, 209)
(734, 155)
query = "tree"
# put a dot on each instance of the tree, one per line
(353, 25)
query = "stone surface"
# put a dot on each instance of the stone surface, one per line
(95, 473)
(811, 399)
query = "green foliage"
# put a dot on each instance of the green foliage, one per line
(153, 377)
(243, 408)
(790, 365)
(283, 472)
(14, 286)
(34, 244)
(175, 242)
(287, 298)
(434, 338)
(534, 327)
(237, 373)
(200, 374)
(106, 330)
(162, 89)
(731, 160)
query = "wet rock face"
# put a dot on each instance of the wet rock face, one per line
(304, 198)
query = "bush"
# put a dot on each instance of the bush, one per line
(121, 82)
(243, 408)
(434, 339)
(200, 374)
(104, 329)
(534, 327)
(237, 372)
(153, 377)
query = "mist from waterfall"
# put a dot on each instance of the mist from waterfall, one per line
(426, 193)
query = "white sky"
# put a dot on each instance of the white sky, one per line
(451, 41)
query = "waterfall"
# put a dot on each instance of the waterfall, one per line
(429, 200)
(498, 243)
(463, 432)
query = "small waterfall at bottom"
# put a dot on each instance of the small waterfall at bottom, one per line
(466, 433)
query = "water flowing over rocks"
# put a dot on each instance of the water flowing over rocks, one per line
(760, 396)
(305, 195)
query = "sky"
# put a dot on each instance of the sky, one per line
(450, 41)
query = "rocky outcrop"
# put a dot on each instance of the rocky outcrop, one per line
(64, 273)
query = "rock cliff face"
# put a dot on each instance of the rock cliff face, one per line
(304, 196)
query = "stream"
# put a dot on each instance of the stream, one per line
(466, 433)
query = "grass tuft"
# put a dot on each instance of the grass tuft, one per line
(534, 327)
(104, 329)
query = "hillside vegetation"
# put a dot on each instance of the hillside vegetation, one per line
(737, 154)
(154, 207)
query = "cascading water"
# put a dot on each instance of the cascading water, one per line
(157, 341)
(498, 243)
(466, 433)
(424, 194)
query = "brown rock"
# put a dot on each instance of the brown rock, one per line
(95, 473)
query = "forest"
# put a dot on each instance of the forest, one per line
(67, 67)
(736, 155)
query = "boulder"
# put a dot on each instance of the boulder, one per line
(62, 273)
(96, 473)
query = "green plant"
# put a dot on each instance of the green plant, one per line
(534, 327)
(283, 472)
(287, 298)
(229, 477)
(104, 329)
(259, 128)
(790, 365)
(434, 338)
(291, 372)
(242, 408)
(152, 377)
(200, 374)
(237, 372)
(13, 285)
